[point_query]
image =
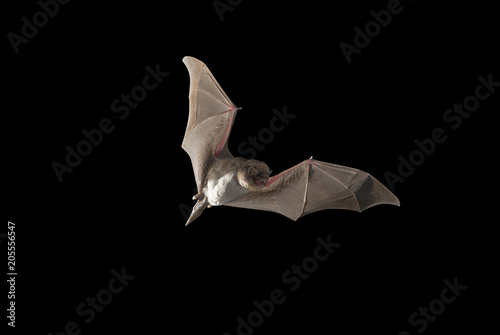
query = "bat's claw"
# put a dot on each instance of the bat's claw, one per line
(197, 196)
(209, 206)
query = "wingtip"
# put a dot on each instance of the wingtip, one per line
(393, 200)
(188, 59)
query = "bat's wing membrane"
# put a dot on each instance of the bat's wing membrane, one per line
(313, 185)
(211, 116)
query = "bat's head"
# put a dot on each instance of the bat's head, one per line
(253, 175)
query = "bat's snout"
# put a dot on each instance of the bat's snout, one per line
(262, 181)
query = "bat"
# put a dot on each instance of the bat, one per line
(225, 180)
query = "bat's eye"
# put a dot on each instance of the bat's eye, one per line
(261, 180)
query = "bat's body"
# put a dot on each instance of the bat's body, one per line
(223, 186)
(222, 179)
(227, 181)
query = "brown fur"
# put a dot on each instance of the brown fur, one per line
(253, 174)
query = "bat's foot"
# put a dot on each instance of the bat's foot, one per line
(209, 206)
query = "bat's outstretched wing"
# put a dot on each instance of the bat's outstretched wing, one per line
(313, 186)
(211, 117)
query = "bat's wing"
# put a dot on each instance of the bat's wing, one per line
(211, 117)
(313, 186)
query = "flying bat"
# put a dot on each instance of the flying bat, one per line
(225, 180)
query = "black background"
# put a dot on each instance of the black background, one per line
(120, 206)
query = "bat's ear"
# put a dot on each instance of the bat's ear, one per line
(252, 171)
